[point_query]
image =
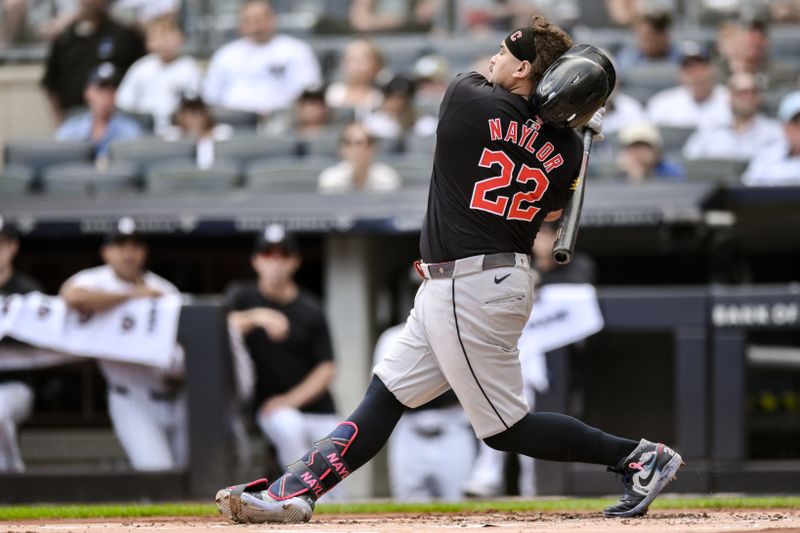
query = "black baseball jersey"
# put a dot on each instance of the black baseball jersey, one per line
(280, 366)
(497, 173)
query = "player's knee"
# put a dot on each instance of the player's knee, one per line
(505, 441)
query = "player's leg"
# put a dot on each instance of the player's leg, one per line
(407, 377)
(316, 427)
(481, 362)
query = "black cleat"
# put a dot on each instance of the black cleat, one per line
(645, 473)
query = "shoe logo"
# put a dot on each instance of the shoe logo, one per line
(501, 279)
(650, 469)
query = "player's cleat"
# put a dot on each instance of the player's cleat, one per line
(645, 473)
(251, 503)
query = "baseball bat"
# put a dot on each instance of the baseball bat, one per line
(564, 247)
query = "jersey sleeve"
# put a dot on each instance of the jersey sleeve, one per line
(564, 178)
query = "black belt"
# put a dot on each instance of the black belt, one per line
(445, 269)
(154, 395)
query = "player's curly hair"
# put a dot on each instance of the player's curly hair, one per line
(551, 43)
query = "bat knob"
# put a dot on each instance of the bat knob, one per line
(562, 257)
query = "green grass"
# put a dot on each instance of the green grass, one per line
(51, 512)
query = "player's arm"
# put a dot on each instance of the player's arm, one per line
(92, 300)
(312, 387)
(274, 323)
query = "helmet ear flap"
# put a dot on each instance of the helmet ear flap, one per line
(574, 87)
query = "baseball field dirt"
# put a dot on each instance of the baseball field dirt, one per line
(706, 521)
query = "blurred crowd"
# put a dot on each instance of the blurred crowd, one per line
(118, 74)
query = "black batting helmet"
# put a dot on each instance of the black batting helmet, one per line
(575, 86)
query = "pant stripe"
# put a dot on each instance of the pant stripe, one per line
(464, 351)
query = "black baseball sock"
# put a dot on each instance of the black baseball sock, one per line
(351, 444)
(376, 416)
(557, 437)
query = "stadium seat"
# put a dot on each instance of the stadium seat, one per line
(185, 176)
(422, 145)
(643, 81)
(325, 144)
(286, 175)
(674, 137)
(145, 120)
(244, 149)
(724, 170)
(36, 154)
(413, 169)
(239, 120)
(15, 181)
(84, 178)
(148, 151)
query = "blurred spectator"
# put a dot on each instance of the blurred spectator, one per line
(431, 75)
(287, 336)
(309, 117)
(194, 120)
(785, 11)
(641, 156)
(14, 13)
(147, 11)
(358, 169)
(92, 39)
(263, 71)
(749, 133)
(609, 12)
(155, 83)
(748, 50)
(359, 66)
(622, 110)
(147, 405)
(11, 280)
(698, 101)
(397, 116)
(101, 124)
(653, 42)
(16, 396)
(379, 15)
(780, 165)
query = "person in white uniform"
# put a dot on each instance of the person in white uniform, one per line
(263, 71)
(748, 134)
(698, 101)
(147, 405)
(16, 396)
(780, 165)
(155, 83)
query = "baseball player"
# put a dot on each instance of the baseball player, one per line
(498, 172)
(16, 395)
(147, 405)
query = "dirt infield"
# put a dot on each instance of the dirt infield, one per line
(784, 521)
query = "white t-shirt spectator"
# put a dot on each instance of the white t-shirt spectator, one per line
(261, 78)
(676, 107)
(384, 125)
(147, 10)
(773, 167)
(339, 178)
(626, 111)
(723, 142)
(154, 87)
(119, 374)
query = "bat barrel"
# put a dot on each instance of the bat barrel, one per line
(564, 247)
